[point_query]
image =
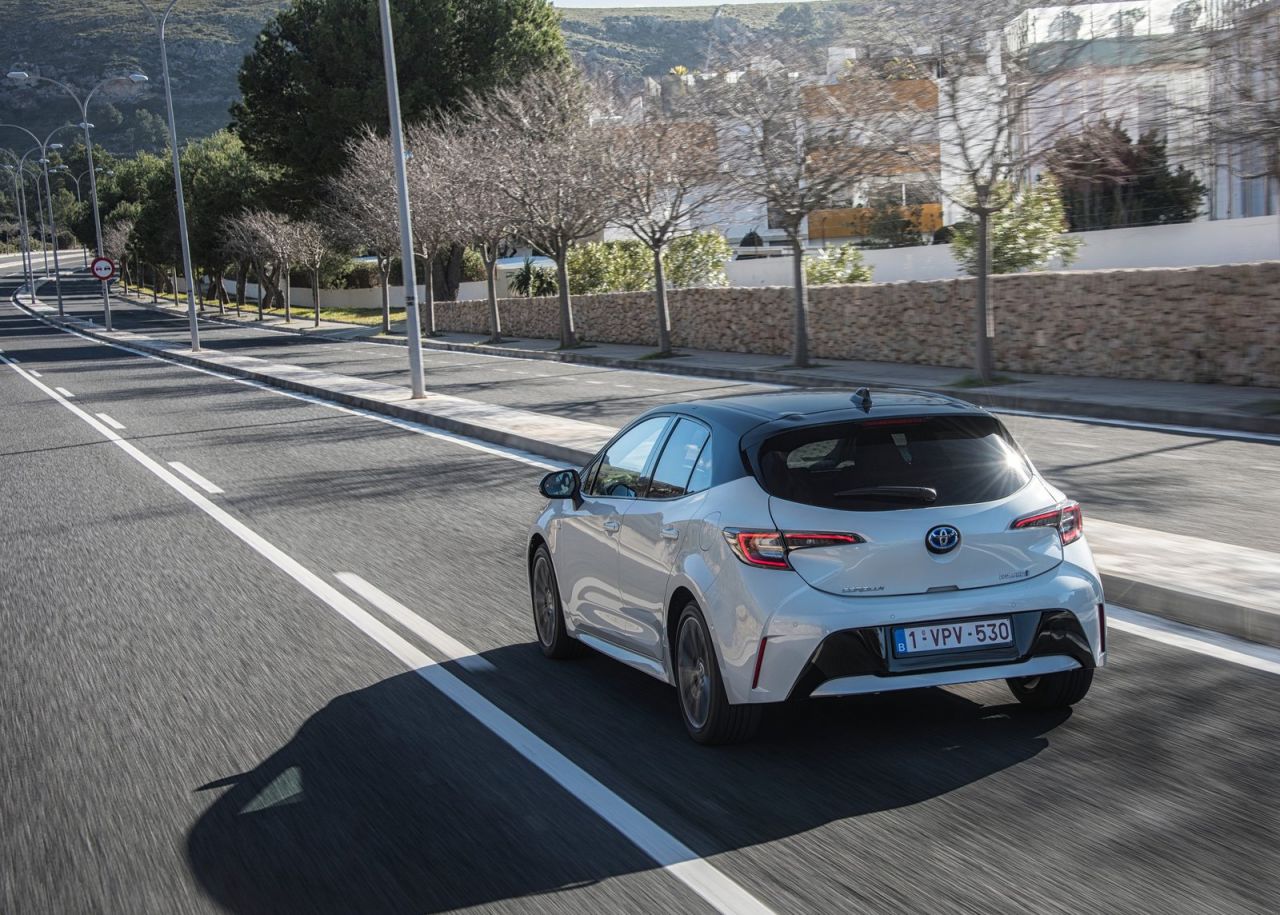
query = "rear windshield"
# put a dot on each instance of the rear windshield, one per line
(877, 465)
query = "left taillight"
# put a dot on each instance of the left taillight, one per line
(1066, 517)
(769, 549)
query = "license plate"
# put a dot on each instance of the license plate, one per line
(989, 633)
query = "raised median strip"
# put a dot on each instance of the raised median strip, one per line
(1042, 397)
(1205, 583)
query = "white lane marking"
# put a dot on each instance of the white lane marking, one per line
(590, 381)
(1204, 431)
(437, 638)
(1203, 641)
(114, 424)
(64, 392)
(34, 373)
(194, 477)
(666, 850)
(511, 454)
(15, 360)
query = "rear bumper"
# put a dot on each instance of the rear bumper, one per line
(859, 661)
(813, 639)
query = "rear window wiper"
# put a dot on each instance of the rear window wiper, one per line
(911, 493)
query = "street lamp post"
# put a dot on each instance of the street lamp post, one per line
(45, 148)
(412, 334)
(160, 20)
(23, 76)
(19, 194)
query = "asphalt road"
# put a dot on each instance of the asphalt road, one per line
(187, 726)
(1205, 486)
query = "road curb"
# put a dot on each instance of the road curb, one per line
(1198, 419)
(1237, 620)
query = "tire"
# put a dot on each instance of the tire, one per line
(548, 613)
(706, 711)
(1052, 690)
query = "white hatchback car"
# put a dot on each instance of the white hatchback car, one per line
(773, 547)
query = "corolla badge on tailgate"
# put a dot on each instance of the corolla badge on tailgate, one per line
(942, 539)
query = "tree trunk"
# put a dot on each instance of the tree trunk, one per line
(800, 332)
(385, 273)
(315, 293)
(263, 287)
(985, 323)
(242, 272)
(288, 304)
(491, 280)
(568, 338)
(176, 300)
(427, 308)
(155, 285)
(664, 314)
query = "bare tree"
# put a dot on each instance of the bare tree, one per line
(1004, 98)
(799, 148)
(117, 239)
(263, 238)
(668, 175)
(432, 194)
(312, 247)
(472, 159)
(557, 190)
(361, 213)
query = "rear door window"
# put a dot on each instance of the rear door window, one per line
(622, 467)
(894, 463)
(679, 457)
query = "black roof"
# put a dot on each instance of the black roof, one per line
(742, 412)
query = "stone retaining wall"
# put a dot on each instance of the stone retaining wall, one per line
(1197, 324)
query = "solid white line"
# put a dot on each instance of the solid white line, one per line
(1203, 641)
(64, 392)
(1204, 431)
(194, 477)
(437, 638)
(111, 422)
(512, 454)
(665, 849)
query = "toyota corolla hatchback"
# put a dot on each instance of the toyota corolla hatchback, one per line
(775, 547)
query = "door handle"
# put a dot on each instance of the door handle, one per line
(612, 526)
(671, 532)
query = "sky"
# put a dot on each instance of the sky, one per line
(619, 4)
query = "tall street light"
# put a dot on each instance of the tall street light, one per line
(45, 148)
(44, 252)
(76, 179)
(23, 76)
(402, 193)
(19, 193)
(160, 20)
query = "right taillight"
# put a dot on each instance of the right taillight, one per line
(1067, 518)
(769, 549)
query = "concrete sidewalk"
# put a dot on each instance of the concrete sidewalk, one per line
(1202, 406)
(1205, 583)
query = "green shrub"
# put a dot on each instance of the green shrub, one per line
(610, 266)
(1026, 234)
(697, 260)
(472, 266)
(531, 281)
(361, 276)
(830, 266)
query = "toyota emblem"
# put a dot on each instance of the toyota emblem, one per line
(942, 539)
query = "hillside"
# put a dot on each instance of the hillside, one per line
(78, 42)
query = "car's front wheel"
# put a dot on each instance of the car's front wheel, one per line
(708, 715)
(548, 614)
(1052, 690)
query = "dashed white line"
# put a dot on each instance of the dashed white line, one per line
(446, 644)
(34, 373)
(672, 855)
(211, 488)
(64, 392)
(114, 424)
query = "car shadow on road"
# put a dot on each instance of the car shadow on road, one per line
(391, 799)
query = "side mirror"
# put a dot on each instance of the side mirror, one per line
(562, 484)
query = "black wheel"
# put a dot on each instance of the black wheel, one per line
(707, 712)
(548, 615)
(1052, 690)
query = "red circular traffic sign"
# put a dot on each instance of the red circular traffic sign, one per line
(104, 268)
